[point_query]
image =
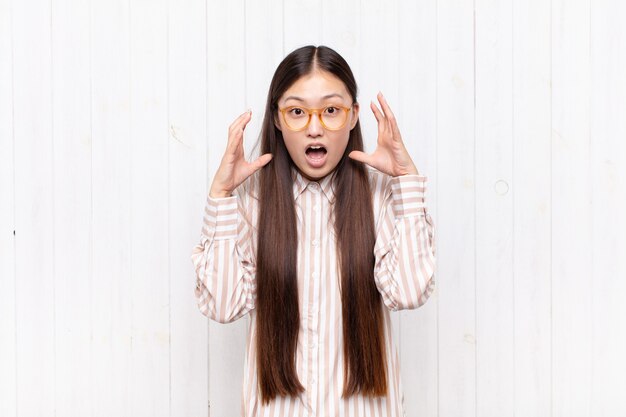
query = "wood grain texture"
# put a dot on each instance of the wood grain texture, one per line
(456, 209)
(149, 155)
(417, 91)
(495, 323)
(111, 305)
(607, 185)
(8, 327)
(532, 378)
(187, 127)
(71, 137)
(34, 208)
(571, 201)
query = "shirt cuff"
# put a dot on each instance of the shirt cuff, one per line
(409, 195)
(220, 218)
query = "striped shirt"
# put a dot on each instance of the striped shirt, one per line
(404, 251)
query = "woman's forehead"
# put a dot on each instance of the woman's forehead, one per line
(323, 98)
(316, 87)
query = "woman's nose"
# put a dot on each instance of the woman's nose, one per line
(315, 128)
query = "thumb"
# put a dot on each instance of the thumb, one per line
(361, 157)
(261, 161)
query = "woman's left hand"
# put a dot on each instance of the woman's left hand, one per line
(390, 156)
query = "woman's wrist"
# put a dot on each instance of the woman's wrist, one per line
(220, 193)
(410, 171)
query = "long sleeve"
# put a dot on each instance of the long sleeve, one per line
(405, 245)
(225, 271)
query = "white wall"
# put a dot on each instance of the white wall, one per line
(113, 119)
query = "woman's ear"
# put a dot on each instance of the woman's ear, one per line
(355, 115)
(277, 122)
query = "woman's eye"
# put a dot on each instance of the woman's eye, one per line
(296, 111)
(331, 110)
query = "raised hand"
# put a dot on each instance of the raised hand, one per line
(234, 169)
(390, 156)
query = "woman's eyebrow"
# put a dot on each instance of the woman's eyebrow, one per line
(332, 95)
(327, 96)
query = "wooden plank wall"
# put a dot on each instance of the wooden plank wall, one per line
(113, 120)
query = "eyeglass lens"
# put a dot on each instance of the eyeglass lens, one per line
(332, 117)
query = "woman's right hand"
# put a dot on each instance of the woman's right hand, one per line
(234, 169)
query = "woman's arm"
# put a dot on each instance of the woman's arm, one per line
(226, 287)
(225, 270)
(405, 245)
(404, 249)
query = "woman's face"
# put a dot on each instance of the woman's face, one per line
(317, 90)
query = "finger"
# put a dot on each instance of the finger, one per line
(239, 119)
(385, 106)
(262, 160)
(383, 123)
(235, 132)
(396, 131)
(239, 125)
(259, 163)
(234, 140)
(391, 118)
(393, 126)
(377, 114)
(246, 119)
(361, 157)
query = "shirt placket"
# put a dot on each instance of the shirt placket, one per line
(315, 264)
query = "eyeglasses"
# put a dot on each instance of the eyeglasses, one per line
(298, 118)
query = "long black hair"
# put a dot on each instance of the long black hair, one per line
(278, 318)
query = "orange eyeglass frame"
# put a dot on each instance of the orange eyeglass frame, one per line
(310, 112)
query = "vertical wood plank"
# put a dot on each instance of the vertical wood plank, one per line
(296, 32)
(34, 207)
(226, 69)
(608, 195)
(264, 51)
(341, 31)
(571, 210)
(416, 111)
(456, 203)
(187, 194)
(150, 304)
(111, 213)
(8, 352)
(494, 217)
(379, 66)
(532, 206)
(71, 130)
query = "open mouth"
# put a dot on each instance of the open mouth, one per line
(316, 151)
(316, 155)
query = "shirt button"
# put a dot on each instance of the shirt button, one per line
(314, 275)
(312, 345)
(312, 380)
(314, 186)
(315, 242)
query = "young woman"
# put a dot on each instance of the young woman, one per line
(318, 242)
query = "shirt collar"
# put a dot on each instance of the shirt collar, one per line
(300, 184)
